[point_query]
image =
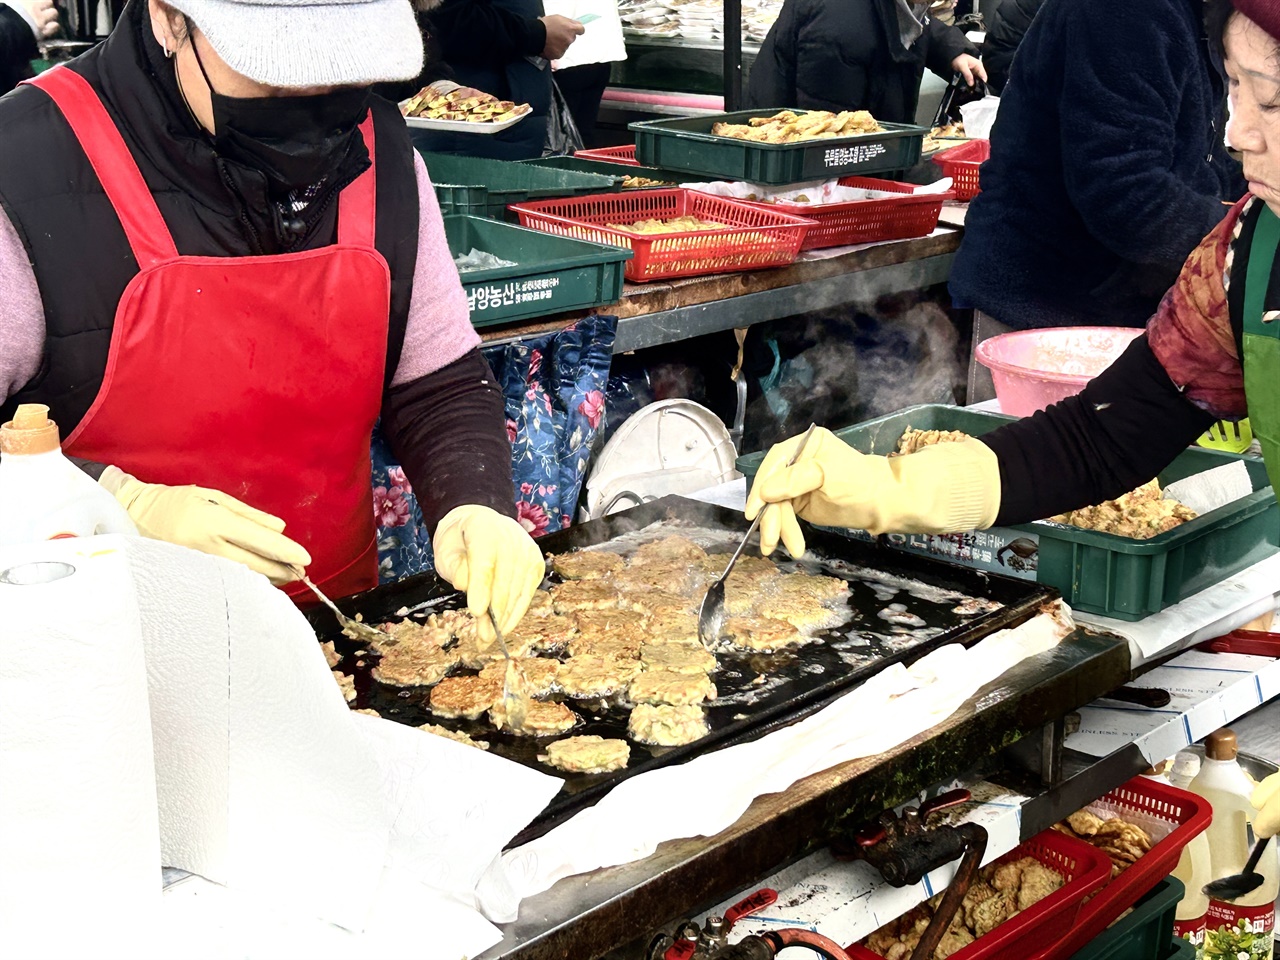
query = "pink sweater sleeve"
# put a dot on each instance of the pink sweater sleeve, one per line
(21, 314)
(439, 330)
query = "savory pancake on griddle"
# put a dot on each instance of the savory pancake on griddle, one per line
(668, 686)
(589, 754)
(464, 697)
(666, 726)
(587, 564)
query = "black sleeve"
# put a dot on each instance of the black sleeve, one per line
(1128, 425)
(448, 429)
(90, 467)
(945, 43)
(17, 48)
(483, 33)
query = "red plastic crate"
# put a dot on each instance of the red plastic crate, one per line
(961, 165)
(867, 221)
(760, 238)
(1187, 814)
(1084, 868)
(625, 154)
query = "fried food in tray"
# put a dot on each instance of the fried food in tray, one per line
(668, 686)
(1000, 891)
(587, 754)
(541, 719)
(637, 183)
(686, 224)
(1123, 841)
(587, 564)
(426, 104)
(666, 726)
(593, 677)
(940, 138)
(1139, 515)
(788, 126)
(467, 698)
(537, 675)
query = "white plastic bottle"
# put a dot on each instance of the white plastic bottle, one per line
(1243, 928)
(1194, 869)
(43, 495)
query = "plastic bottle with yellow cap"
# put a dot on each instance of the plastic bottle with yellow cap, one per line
(43, 495)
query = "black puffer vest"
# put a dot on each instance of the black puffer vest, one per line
(214, 208)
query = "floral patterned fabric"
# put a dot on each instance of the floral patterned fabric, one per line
(554, 392)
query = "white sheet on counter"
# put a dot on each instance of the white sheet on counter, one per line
(638, 814)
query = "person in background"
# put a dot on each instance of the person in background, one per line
(23, 23)
(1107, 167)
(857, 55)
(1210, 352)
(259, 273)
(503, 47)
(583, 90)
(1009, 24)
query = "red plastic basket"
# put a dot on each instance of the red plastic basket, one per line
(867, 221)
(625, 154)
(961, 165)
(1185, 812)
(1084, 868)
(759, 238)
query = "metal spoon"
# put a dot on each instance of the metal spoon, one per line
(711, 613)
(1233, 888)
(515, 706)
(352, 628)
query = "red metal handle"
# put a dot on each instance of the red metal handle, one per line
(681, 950)
(753, 904)
(952, 798)
(1253, 642)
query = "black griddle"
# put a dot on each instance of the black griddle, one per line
(805, 678)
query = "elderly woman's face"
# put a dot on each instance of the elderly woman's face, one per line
(1253, 78)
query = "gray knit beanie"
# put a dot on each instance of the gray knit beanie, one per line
(304, 43)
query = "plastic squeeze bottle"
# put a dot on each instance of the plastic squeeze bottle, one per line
(1194, 869)
(1241, 929)
(43, 495)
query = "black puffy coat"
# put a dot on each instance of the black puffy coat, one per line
(847, 55)
(17, 48)
(1008, 26)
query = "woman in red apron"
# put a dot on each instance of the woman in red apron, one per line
(222, 263)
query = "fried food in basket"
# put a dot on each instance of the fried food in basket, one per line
(1124, 842)
(1139, 515)
(427, 104)
(791, 127)
(685, 224)
(1000, 891)
(636, 183)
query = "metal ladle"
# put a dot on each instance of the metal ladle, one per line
(352, 628)
(1245, 882)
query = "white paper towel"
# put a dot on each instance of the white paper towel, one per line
(631, 820)
(1215, 488)
(79, 836)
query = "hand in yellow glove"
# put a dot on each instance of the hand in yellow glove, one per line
(493, 560)
(209, 521)
(1266, 800)
(944, 488)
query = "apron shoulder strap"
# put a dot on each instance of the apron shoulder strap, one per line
(358, 203)
(148, 236)
(1257, 278)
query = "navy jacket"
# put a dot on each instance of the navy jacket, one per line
(1107, 167)
(846, 55)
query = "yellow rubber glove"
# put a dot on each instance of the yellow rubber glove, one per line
(945, 488)
(209, 521)
(1266, 800)
(493, 560)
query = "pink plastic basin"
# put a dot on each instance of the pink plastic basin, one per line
(1035, 368)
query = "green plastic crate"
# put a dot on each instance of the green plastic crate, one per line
(551, 274)
(604, 168)
(1182, 950)
(491, 185)
(1097, 572)
(687, 144)
(1145, 934)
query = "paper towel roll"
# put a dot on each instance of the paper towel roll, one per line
(79, 835)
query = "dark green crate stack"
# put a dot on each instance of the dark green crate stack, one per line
(605, 168)
(1146, 933)
(551, 274)
(1097, 572)
(687, 144)
(481, 187)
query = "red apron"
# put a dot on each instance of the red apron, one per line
(258, 376)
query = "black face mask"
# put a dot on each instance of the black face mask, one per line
(297, 142)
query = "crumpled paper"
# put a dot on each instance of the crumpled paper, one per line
(632, 819)
(816, 192)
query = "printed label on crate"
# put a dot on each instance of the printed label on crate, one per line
(481, 298)
(1009, 552)
(1193, 932)
(860, 153)
(1239, 933)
